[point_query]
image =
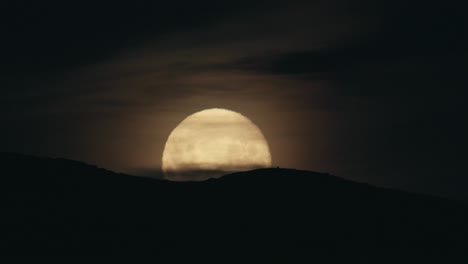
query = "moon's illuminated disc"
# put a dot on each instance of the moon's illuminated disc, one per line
(212, 142)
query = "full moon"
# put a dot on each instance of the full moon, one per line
(211, 143)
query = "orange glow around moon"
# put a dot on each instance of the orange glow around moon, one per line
(213, 142)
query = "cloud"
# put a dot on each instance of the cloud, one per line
(330, 83)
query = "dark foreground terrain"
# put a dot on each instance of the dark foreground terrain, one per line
(56, 206)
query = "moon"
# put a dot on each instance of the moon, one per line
(211, 143)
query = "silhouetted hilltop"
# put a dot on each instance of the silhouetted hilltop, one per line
(63, 206)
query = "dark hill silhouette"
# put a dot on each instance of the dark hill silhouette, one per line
(61, 206)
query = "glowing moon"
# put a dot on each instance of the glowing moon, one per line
(211, 143)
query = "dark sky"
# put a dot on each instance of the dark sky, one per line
(370, 90)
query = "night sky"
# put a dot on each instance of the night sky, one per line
(370, 90)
